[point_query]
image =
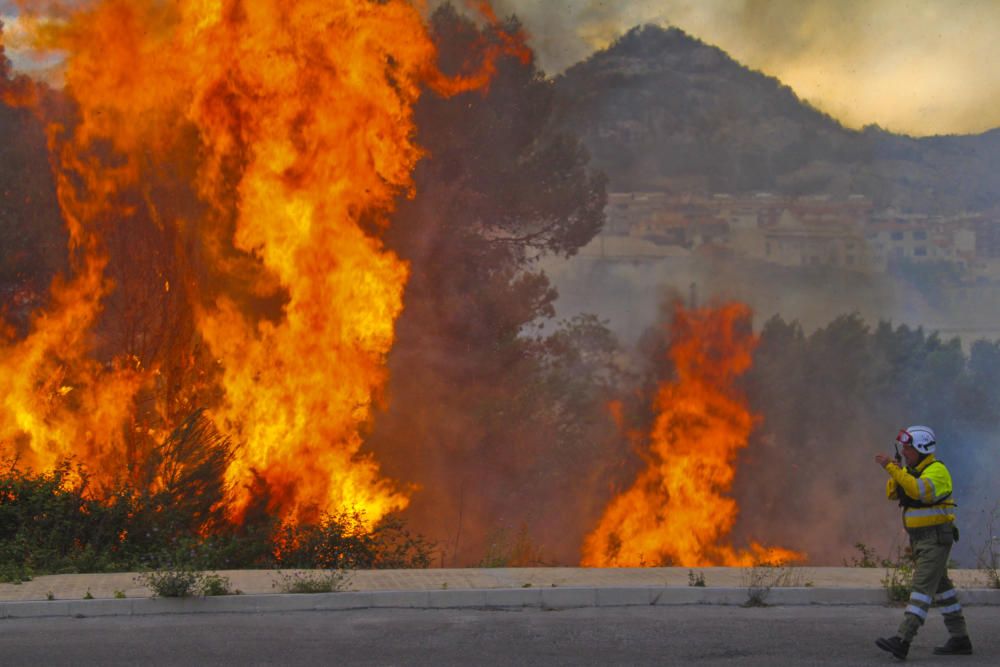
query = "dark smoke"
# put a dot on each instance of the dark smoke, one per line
(505, 433)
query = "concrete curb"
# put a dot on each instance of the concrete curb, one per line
(499, 598)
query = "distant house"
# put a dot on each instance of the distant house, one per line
(795, 242)
(919, 239)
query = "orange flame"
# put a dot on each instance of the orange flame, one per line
(676, 512)
(295, 121)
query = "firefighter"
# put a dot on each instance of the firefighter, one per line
(923, 489)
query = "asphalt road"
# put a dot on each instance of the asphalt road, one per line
(703, 635)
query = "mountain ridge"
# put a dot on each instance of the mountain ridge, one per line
(662, 110)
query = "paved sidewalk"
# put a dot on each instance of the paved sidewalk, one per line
(256, 582)
(64, 595)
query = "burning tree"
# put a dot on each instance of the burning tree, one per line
(499, 426)
(225, 172)
(251, 192)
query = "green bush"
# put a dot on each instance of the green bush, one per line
(868, 557)
(58, 522)
(172, 583)
(325, 581)
(182, 582)
(215, 584)
(898, 579)
(343, 541)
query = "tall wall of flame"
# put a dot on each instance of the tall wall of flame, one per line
(677, 512)
(292, 123)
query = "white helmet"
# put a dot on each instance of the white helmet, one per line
(921, 437)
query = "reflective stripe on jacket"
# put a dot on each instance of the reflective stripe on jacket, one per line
(931, 489)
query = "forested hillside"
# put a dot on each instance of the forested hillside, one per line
(660, 109)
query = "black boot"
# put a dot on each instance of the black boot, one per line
(894, 645)
(955, 646)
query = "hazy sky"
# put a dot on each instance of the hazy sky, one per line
(915, 66)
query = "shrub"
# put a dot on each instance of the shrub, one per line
(868, 557)
(172, 583)
(761, 577)
(898, 579)
(344, 541)
(312, 581)
(182, 582)
(215, 584)
(57, 522)
(398, 548)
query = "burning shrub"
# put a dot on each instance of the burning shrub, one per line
(50, 523)
(55, 522)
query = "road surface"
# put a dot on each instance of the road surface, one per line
(674, 635)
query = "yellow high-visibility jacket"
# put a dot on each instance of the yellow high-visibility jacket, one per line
(928, 493)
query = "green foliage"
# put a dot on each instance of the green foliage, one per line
(343, 540)
(761, 577)
(868, 558)
(49, 522)
(13, 573)
(182, 581)
(215, 584)
(312, 581)
(179, 582)
(54, 522)
(898, 579)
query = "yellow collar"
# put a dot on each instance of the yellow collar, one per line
(926, 462)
